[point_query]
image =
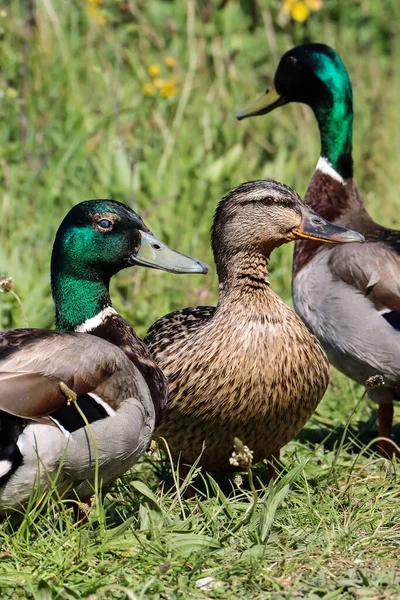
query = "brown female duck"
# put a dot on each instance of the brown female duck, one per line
(247, 368)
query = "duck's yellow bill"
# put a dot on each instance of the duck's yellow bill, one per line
(153, 253)
(264, 104)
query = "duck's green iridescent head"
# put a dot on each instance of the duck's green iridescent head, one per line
(315, 75)
(97, 239)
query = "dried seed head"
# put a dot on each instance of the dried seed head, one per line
(153, 447)
(238, 479)
(375, 381)
(6, 284)
(242, 456)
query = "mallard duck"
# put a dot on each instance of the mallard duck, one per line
(247, 368)
(97, 358)
(348, 296)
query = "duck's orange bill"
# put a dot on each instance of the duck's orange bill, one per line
(315, 227)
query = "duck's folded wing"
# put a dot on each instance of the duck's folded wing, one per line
(373, 269)
(33, 362)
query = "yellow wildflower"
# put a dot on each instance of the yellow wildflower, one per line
(300, 12)
(101, 19)
(170, 61)
(11, 93)
(169, 89)
(158, 82)
(314, 4)
(154, 70)
(96, 14)
(94, 2)
(287, 5)
(148, 89)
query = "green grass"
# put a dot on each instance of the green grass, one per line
(75, 124)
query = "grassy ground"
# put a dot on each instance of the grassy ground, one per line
(79, 120)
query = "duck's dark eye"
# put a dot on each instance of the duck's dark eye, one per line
(105, 224)
(267, 200)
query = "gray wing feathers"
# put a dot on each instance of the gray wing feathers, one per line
(32, 364)
(331, 296)
(374, 269)
(120, 440)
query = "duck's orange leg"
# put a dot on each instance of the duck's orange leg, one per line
(385, 422)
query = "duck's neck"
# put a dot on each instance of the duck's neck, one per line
(84, 305)
(243, 278)
(335, 121)
(81, 303)
(332, 192)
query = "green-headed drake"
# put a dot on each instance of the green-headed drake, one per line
(249, 367)
(95, 355)
(349, 296)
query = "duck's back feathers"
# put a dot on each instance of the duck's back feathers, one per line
(176, 326)
(33, 363)
(351, 304)
(347, 293)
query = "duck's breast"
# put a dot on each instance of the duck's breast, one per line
(258, 379)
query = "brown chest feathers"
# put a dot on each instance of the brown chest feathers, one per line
(241, 371)
(117, 331)
(335, 201)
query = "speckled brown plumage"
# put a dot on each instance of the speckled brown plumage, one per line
(249, 367)
(255, 376)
